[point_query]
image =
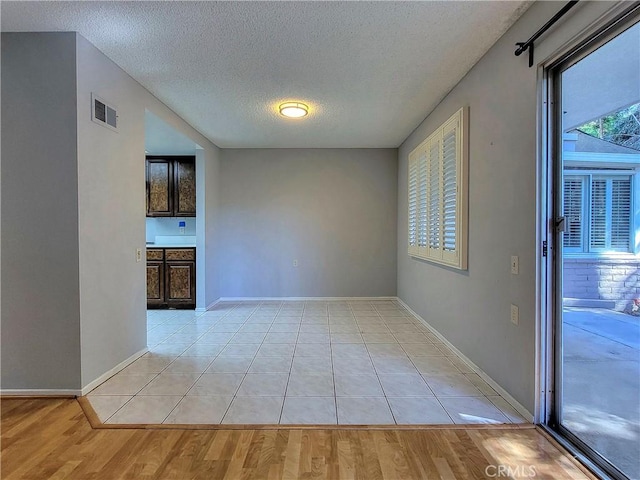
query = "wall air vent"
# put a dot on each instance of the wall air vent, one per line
(104, 113)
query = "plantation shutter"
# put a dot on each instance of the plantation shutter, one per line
(610, 223)
(449, 191)
(434, 197)
(620, 214)
(413, 202)
(437, 209)
(598, 221)
(422, 199)
(573, 196)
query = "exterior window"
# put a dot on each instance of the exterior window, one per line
(598, 215)
(438, 197)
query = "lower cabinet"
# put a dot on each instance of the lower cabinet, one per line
(155, 284)
(171, 278)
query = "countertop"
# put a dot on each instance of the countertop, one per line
(170, 245)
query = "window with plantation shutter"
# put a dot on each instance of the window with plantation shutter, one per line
(573, 204)
(449, 191)
(620, 214)
(413, 204)
(598, 220)
(422, 204)
(437, 195)
(598, 213)
(433, 185)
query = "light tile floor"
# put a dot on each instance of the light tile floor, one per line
(297, 362)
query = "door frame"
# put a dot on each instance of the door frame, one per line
(549, 276)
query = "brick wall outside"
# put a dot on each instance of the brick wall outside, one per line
(590, 278)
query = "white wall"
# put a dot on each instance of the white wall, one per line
(472, 309)
(333, 210)
(111, 181)
(40, 310)
(169, 226)
(616, 66)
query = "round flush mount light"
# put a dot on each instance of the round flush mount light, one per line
(293, 109)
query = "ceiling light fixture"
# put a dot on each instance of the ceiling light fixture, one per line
(294, 109)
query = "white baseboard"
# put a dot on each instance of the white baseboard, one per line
(105, 376)
(39, 392)
(503, 393)
(210, 306)
(299, 299)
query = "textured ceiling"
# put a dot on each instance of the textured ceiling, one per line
(370, 71)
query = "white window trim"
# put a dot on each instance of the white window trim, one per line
(634, 253)
(598, 160)
(418, 222)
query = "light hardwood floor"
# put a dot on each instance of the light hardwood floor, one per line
(52, 439)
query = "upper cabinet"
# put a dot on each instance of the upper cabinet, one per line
(184, 199)
(171, 186)
(159, 187)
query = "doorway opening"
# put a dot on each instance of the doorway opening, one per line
(171, 216)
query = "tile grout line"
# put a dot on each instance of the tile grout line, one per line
(235, 394)
(196, 381)
(286, 387)
(378, 313)
(333, 371)
(427, 383)
(202, 373)
(132, 397)
(167, 366)
(378, 376)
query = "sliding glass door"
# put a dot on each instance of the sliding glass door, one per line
(596, 131)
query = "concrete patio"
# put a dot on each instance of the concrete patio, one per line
(601, 403)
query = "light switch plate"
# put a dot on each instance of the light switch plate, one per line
(515, 314)
(138, 255)
(515, 264)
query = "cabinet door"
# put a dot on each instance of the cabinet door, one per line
(185, 188)
(155, 284)
(181, 284)
(159, 188)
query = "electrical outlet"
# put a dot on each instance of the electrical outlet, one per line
(138, 255)
(515, 264)
(295, 263)
(515, 314)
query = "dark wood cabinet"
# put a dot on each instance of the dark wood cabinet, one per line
(180, 282)
(171, 186)
(171, 278)
(159, 188)
(155, 283)
(155, 277)
(185, 188)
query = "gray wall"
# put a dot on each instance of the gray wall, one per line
(74, 297)
(112, 211)
(207, 214)
(333, 210)
(111, 216)
(472, 309)
(40, 289)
